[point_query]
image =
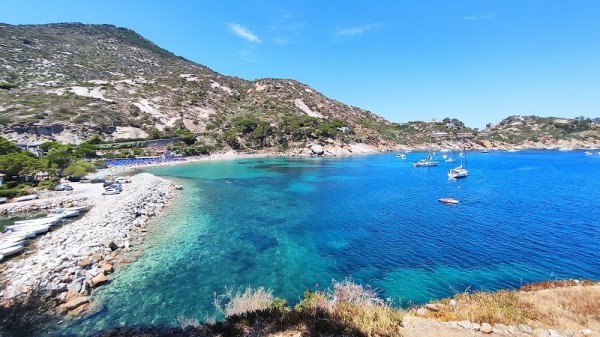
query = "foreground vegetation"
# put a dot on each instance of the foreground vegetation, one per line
(346, 309)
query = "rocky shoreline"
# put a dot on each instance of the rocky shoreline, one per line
(70, 261)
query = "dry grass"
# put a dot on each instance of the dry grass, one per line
(354, 306)
(555, 284)
(558, 304)
(498, 307)
(239, 303)
(567, 307)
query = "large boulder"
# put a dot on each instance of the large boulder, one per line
(99, 279)
(74, 303)
(317, 149)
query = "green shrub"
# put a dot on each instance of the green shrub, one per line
(9, 193)
(11, 184)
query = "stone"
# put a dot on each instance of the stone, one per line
(554, 333)
(79, 310)
(467, 325)
(524, 328)
(107, 267)
(112, 245)
(97, 257)
(84, 262)
(76, 302)
(317, 149)
(486, 328)
(500, 329)
(421, 312)
(453, 303)
(586, 332)
(99, 279)
(74, 286)
(61, 309)
(70, 296)
(432, 307)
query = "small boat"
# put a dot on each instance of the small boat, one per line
(64, 213)
(448, 201)
(11, 250)
(38, 221)
(60, 210)
(425, 162)
(26, 197)
(7, 244)
(485, 151)
(37, 229)
(587, 153)
(461, 170)
(401, 156)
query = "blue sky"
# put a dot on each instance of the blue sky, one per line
(476, 60)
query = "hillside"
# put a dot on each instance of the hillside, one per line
(70, 81)
(534, 131)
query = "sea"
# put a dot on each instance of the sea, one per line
(297, 224)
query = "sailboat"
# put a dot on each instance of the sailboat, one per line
(427, 162)
(460, 171)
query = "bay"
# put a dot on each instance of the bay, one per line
(294, 224)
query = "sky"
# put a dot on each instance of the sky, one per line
(476, 60)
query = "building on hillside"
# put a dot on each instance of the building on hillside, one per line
(33, 148)
(344, 129)
(42, 176)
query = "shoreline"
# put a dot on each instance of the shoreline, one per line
(70, 261)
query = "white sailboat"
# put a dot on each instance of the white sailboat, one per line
(426, 162)
(460, 171)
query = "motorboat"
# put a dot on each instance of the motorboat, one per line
(26, 197)
(38, 221)
(587, 153)
(63, 213)
(428, 162)
(448, 201)
(401, 156)
(11, 250)
(74, 208)
(8, 244)
(38, 229)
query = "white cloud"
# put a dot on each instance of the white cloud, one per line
(358, 30)
(244, 33)
(478, 17)
(281, 40)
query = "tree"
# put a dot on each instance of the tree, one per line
(85, 150)
(19, 163)
(79, 168)
(46, 146)
(59, 157)
(7, 146)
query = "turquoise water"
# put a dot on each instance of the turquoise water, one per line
(295, 224)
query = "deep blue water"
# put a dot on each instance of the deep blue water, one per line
(292, 224)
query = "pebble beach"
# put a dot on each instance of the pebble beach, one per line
(73, 259)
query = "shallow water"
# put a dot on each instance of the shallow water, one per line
(292, 224)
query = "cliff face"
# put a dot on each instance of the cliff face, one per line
(65, 81)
